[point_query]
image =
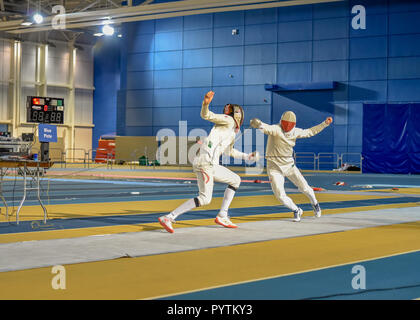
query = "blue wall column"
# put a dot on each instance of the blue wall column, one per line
(107, 83)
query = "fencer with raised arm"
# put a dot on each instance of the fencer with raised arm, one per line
(206, 164)
(280, 162)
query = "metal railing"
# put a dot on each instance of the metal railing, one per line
(327, 160)
(304, 160)
(309, 160)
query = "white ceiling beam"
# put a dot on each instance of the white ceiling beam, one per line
(146, 9)
(148, 12)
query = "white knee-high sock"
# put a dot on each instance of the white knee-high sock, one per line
(227, 200)
(185, 207)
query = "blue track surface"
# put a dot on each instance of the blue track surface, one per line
(395, 277)
(131, 219)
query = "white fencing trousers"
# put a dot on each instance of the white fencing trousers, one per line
(206, 177)
(295, 176)
(205, 180)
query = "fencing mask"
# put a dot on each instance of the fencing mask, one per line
(236, 112)
(288, 121)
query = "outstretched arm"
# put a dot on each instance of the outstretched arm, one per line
(273, 130)
(234, 153)
(206, 114)
(307, 133)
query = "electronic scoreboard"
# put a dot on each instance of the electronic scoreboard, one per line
(45, 110)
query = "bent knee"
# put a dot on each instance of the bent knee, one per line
(204, 200)
(236, 182)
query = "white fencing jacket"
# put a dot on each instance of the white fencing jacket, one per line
(280, 144)
(220, 140)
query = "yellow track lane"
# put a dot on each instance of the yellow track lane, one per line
(174, 273)
(45, 234)
(79, 210)
(84, 232)
(398, 190)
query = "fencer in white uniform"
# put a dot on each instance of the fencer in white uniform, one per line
(206, 165)
(280, 162)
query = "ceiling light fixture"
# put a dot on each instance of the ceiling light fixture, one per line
(108, 30)
(38, 18)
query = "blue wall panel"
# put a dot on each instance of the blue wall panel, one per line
(355, 136)
(368, 69)
(368, 91)
(168, 65)
(198, 58)
(139, 117)
(260, 16)
(261, 33)
(403, 6)
(139, 98)
(331, 10)
(225, 94)
(340, 134)
(228, 76)
(192, 115)
(168, 60)
(294, 72)
(260, 112)
(200, 21)
(142, 43)
(260, 54)
(404, 45)
(260, 74)
(296, 13)
(166, 116)
(404, 90)
(404, 68)
(169, 24)
(330, 71)
(369, 47)
(199, 77)
(198, 39)
(168, 41)
(167, 98)
(256, 95)
(324, 50)
(138, 131)
(295, 31)
(228, 56)
(167, 78)
(331, 28)
(294, 52)
(193, 97)
(223, 37)
(229, 19)
(406, 22)
(355, 114)
(140, 62)
(142, 27)
(340, 114)
(140, 80)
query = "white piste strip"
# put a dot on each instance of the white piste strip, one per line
(46, 253)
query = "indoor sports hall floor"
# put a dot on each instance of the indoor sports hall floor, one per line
(102, 227)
